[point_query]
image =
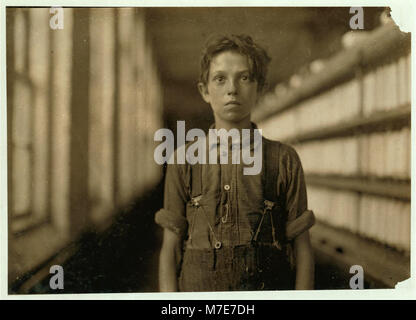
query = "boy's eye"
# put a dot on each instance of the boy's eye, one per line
(219, 79)
(245, 78)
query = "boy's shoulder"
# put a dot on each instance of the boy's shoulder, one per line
(287, 153)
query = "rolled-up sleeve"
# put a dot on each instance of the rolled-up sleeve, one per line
(293, 182)
(173, 215)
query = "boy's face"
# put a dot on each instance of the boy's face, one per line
(229, 90)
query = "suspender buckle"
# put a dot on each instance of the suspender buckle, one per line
(195, 201)
(268, 205)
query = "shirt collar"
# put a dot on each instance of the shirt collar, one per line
(212, 144)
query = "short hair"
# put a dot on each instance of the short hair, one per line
(243, 44)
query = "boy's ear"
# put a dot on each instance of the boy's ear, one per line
(203, 90)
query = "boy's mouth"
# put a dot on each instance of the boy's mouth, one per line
(233, 103)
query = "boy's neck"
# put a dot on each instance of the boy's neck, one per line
(227, 125)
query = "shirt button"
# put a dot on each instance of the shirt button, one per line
(227, 187)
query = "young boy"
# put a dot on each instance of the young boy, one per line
(219, 232)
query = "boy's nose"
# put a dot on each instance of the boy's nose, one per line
(232, 88)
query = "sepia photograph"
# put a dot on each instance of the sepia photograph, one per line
(207, 149)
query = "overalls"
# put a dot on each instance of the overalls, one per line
(259, 265)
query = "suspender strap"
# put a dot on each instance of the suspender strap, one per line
(271, 169)
(270, 193)
(196, 184)
(196, 197)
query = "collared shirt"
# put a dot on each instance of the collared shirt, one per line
(231, 202)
